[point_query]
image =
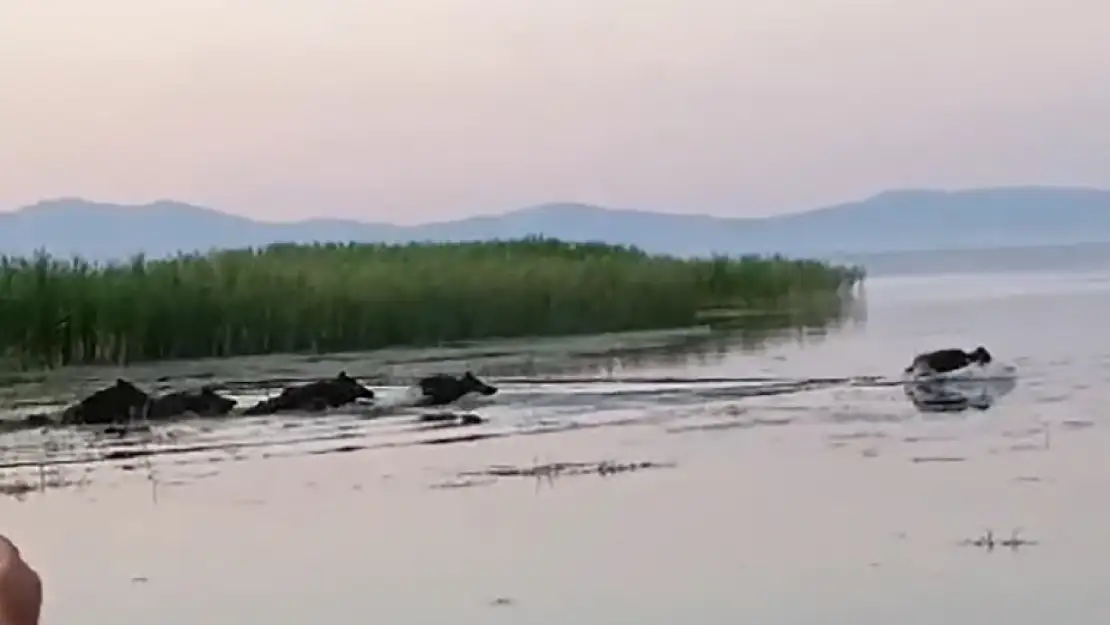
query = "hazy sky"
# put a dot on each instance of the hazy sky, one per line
(415, 110)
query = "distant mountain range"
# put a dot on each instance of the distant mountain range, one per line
(891, 221)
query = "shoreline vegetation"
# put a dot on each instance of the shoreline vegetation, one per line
(323, 298)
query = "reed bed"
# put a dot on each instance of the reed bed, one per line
(339, 297)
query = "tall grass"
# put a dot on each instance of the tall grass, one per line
(335, 297)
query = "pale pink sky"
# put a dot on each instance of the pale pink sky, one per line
(413, 110)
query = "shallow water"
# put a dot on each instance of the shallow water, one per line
(819, 503)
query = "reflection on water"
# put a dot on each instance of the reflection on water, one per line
(607, 354)
(959, 395)
(520, 409)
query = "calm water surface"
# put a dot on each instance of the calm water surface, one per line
(829, 505)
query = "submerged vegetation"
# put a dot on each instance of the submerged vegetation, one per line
(337, 297)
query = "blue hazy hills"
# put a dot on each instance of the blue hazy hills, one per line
(902, 220)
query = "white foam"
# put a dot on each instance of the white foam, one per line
(975, 371)
(976, 386)
(403, 397)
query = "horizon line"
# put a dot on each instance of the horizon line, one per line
(552, 204)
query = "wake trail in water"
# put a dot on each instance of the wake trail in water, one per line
(525, 406)
(769, 382)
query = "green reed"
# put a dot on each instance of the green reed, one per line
(337, 297)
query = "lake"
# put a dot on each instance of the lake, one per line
(814, 503)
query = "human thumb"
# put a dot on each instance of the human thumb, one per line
(20, 587)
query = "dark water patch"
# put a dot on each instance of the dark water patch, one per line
(463, 438)
(451, 418)
(856, 436)
(553, 470)
(342, 449)
(1077, 424)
